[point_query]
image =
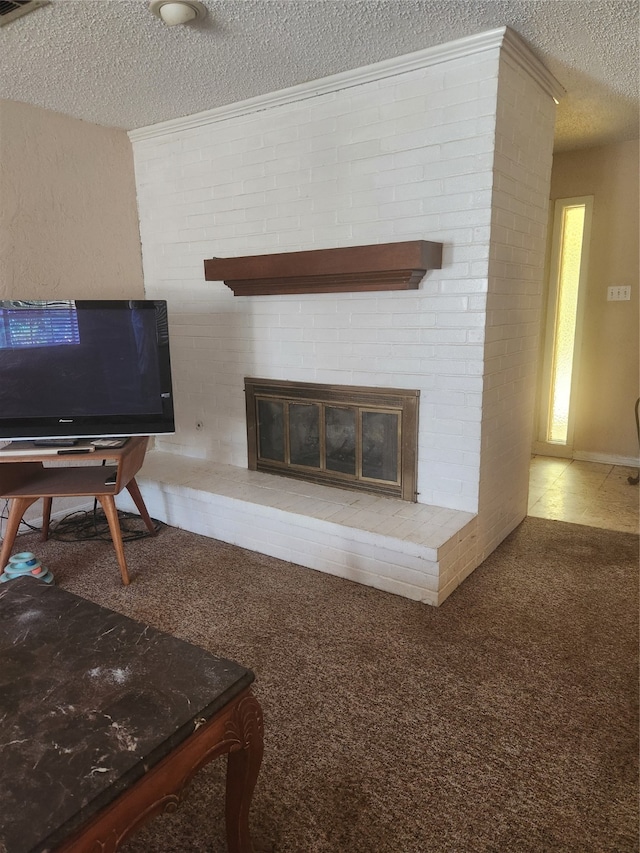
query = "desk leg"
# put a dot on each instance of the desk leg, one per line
(243, 766)
(18, 508)
(46, 518)
(134, 491)
(109, 507)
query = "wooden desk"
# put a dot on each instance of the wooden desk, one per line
(105, 720)
(24, 479)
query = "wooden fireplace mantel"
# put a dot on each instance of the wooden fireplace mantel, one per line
(382, 266)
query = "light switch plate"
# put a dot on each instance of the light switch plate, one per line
(618, 293)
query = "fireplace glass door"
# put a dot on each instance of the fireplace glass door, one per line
(362, 438)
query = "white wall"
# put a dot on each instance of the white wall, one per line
(522, 171)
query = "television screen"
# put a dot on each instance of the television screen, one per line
(84, 369)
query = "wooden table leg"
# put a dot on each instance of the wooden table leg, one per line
(46, 518)
(18, 508)
(134, 491)
(109, 507)
(243, 766)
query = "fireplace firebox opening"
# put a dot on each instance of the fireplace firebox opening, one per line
(350, 436)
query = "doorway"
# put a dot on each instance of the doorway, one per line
(567, 276)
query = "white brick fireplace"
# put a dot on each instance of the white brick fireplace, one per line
(451, 144)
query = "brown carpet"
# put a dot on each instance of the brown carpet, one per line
(504, 721)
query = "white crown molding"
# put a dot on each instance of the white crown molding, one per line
(503, 37)
(515, 48)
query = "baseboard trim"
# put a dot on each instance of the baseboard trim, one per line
(561, 451)
(606, 458)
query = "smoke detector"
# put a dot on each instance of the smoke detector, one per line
(12, 9)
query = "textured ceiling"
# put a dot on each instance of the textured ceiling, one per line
(114, 63)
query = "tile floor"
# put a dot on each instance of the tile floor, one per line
(587, 493)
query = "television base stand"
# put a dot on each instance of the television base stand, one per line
(24, 479)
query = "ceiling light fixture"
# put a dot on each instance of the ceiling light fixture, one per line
(174, 12)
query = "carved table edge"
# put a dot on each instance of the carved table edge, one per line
(237, 727)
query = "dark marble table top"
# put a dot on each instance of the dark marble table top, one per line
(89, 700)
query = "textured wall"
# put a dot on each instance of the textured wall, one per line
(68, 220)
(608, 384)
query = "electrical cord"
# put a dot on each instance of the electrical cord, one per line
(83, 525)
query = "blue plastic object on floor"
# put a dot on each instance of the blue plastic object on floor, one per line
(23, 564)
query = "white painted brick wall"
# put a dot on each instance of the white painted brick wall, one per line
(524, 138)
(441, 153)
(407, 157)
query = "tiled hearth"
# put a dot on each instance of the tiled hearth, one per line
(414, 550)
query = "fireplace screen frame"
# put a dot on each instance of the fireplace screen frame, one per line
(361, 400)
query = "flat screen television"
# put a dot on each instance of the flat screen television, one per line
(84, 369)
